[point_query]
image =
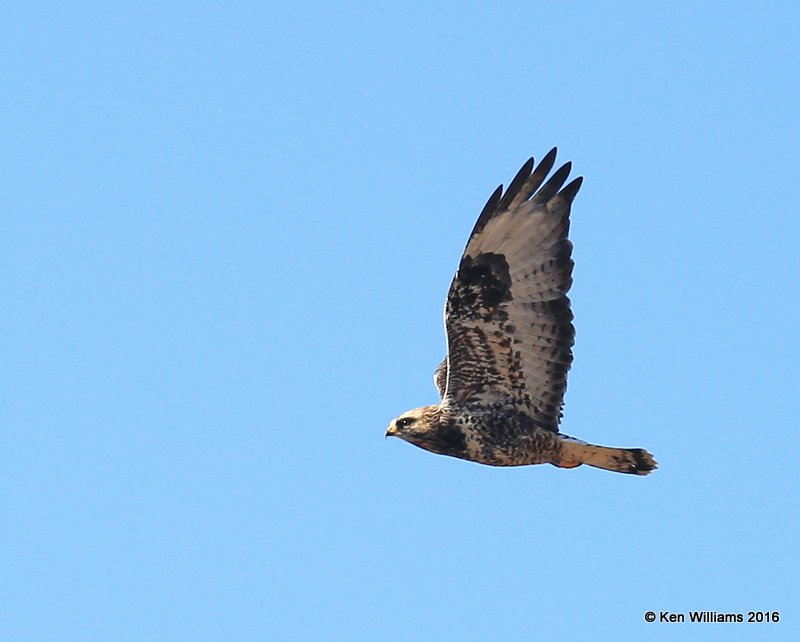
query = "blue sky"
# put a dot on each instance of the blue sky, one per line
(228, 233)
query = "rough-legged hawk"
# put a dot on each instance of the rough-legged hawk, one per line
(509, 338)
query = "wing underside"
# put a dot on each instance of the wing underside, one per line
(507, 317)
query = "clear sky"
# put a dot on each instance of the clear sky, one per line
(227, 234)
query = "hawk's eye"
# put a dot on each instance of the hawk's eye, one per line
(405, 421)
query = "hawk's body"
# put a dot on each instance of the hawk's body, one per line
(509, 337)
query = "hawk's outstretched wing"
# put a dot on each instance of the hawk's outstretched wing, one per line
(508, 319)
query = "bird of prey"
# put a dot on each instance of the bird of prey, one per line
(509, 338)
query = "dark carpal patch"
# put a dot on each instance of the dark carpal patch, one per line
(452, 439)
(483, 282)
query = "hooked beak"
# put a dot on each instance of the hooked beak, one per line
(390, 431)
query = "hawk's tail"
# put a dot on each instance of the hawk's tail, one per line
(634, 461)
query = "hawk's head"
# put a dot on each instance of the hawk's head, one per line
(427, 428)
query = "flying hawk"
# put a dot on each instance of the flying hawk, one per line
(509, 338)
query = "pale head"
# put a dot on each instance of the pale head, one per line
(410, 423)
(428, 428)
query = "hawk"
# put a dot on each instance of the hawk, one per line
(509, 333)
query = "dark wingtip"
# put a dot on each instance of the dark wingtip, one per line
(546, 164)
(526, 183)
(537, 176)
(516, 184)
(488, 210)
(491, 204)
(552, 186)
(569, 192)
